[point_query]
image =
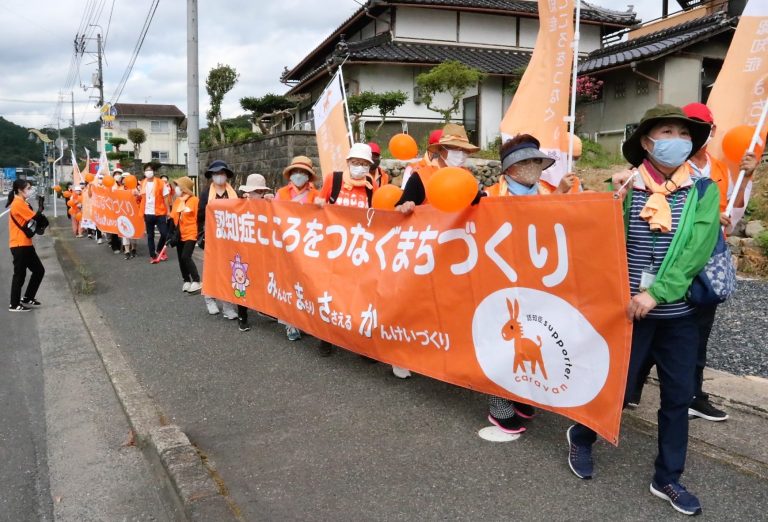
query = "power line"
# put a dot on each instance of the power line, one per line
(137, 49)
(109, 23)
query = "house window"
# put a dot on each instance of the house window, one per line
(107, 145)
(620, 89)
(159, 126)
(128, 124)
(471, 123)
(159, 155)
(642, 87)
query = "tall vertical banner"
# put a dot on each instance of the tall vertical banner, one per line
(540, 104)
(741, 87)
(523, 298)
(331, 128)
(77, 176)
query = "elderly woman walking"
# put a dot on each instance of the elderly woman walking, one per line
(184, 216)
(672, 227)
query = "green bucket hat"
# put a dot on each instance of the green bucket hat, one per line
(633, 150)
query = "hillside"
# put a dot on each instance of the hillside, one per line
(16, 150)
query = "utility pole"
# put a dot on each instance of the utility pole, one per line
(74, 142)
(193, 91)
(101, 76)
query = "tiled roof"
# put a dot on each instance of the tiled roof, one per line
(656, 44)
(148, 110)
(358, 19)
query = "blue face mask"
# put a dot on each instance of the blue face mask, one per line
(518, 189)
(671, 152)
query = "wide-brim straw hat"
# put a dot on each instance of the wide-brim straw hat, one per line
(255, 182)
(454, 136)
(633, 149)
(185, 183)
(301, 162)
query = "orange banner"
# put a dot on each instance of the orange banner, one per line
(116, 212)
(540, 104)
(519, 297)
(741, 87)
(331, 128)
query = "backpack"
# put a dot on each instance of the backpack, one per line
(35, 225)
(717, 280)
(336, 188)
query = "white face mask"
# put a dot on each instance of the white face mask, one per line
(299, 179)
(149, 174)
(178, 192)
(358, 171)
(456, 158)
(220, 179)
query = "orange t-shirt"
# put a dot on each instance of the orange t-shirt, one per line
(383, 177)
(354, 197)
(718, 172)
(289, 192)
(21, 212)
(186, 221)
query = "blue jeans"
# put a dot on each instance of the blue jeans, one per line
(162, 224)
(673, 345)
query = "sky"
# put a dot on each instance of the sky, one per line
(257, 38)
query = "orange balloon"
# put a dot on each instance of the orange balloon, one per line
(451, 189)
(386, 197)
(66, 193)
(736, 142)
(403, 147)
(70, 203)
(71, 211)
(108, 181)
(79, 216)
(89, 177)
(130, 182)
(56, 188)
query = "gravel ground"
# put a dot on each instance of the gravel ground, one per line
(738, 342)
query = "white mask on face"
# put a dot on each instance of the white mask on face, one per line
(456, 158)
(358, 171)
(178, 192)
(220, 179)
(149, 174)
(299, 179)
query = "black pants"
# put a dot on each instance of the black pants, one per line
(162, 224)
(114, 242)
(25, 258)
(187, 266)
(242, 313)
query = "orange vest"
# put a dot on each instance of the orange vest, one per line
(288, 192)
(718, 172)
(160, 207)
(186, 221)
(425, 172)
(383, 177)
(21, 212)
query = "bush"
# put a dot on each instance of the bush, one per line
(594, 156)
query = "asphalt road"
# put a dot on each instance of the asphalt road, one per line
(299, 437)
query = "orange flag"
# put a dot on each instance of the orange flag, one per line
(540, 105)
(741, 88)
(77, 176)
(518, 297)
(116, 212)
(330, 126)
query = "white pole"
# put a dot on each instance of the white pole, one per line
(572, 115)
(346, 109)
(193, 92)
(55, 207)
(752, 144)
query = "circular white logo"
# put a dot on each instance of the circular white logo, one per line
(125, 227)
(538, 346)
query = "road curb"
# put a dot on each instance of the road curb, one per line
(187, 482)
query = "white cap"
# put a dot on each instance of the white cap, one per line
(360, 151)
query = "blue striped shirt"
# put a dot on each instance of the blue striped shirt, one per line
(643, 251)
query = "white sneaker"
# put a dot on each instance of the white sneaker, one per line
(401, 373)
(185, 286)
(194, 287)
(229, 311)
(99, 241)
(210, 303)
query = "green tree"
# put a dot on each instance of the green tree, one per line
(265, 107)
(117, 142)
(386, 104)
(221, 79)
(137, 137)
(452, 77)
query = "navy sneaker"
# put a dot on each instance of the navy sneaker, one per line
(678, 496)
(579, 457)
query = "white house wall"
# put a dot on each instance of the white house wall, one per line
(156, 141)
(426, 24)
(682, 80)
(488, 29)
(491, 110)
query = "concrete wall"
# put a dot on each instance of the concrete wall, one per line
(682, 80)
(426, 24)
(265, 155)
(475, 28)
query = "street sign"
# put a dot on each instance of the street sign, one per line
(61, 143)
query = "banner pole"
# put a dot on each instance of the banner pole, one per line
(346, 108)
(572, 115)
(755, 137)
